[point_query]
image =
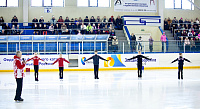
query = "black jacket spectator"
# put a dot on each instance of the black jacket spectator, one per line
(67, 21)
(14, 21)
(1, 21)
(3, 32)
(86, 21)
(7, 29)
(111, 20)
(119, 23)
(35, 21)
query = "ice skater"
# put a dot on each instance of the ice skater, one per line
(18, 67)
(36, 64)
(180, 64)
(139, 62)
(96, 63)
(60, 61)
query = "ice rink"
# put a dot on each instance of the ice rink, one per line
(158, 89)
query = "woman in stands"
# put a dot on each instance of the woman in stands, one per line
(163, 39)
(187, 44)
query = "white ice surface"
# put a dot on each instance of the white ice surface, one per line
(158, 89)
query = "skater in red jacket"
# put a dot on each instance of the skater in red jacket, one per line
(36, 65)
(18, 67)
(60, 61)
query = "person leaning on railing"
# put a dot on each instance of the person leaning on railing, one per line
(115, 43)
(192, 44)
(187, 44)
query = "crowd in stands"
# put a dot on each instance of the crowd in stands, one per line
(186, 33)
(75, 26)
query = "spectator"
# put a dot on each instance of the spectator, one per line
(7, 29)
(174, 20)
(199, 35)
(163, 39)
(79, 32)
(105, 21)
(111, 27)
(91, 31)
(140, 43)
(98, 20)
(40, 29)
(18, 30)
(192, 45)
(195, 33)
(178, 34)
(181, 44)
(3, 32)
(197, 43)
(51, 29)
(64, 29)
(13, 30)
(166, 26)
(184, 33)
(34, 21)
(35, 30)
(92, 20)
(1, 21)
(80, 20)
(41, 20)
(76, 20)
(14, 21)
(181, 21)
(190, 34)
(72, 22)
(133, 42)
(112, 33)
(119, 23)
(109, 44)
(53, 21)
(98, 31)
(179, 26)
(77, 27)
(86, 21)
(83, 28)
(94, 27)
(151, 44)
(56, 29)
(44, 29)
(183, 27)
(60, 20)
(187, 44)
(89, 28)
(169, 22)
(111, 19)
(186, 26)
(115, 43)
(99, 26)
(67, 21)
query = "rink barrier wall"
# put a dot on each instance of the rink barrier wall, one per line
(108, 69)
(117, 62)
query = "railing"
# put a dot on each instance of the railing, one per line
(73, 44)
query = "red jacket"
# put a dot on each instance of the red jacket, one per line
(60, 62)
(35, 60)
(18, 67)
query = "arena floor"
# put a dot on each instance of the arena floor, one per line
(158, 89)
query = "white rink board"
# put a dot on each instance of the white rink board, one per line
(159, 60)
(6, 61)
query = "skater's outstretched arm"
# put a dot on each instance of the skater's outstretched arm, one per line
(89, 58)
(103, 58)
(146, 58)
(187, 60)
(29, 59)
(174, 60)
(132, 58)
(55, 62)
(66, 61)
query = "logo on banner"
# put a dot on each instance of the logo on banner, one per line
(114, 61)
(118, 2)
(83, 59)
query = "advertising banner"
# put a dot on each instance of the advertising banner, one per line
(135, 5)
(6, 61)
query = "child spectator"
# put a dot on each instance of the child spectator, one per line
(51, 29)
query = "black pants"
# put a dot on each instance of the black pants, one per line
(139, 71)
(36, 68)
(151, 48)
(19, 82)
(180, 72)
(61, 72)
(96, 69)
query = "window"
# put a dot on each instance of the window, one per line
(47, 3)
(179, 4)
(93, 3)
(9, 3)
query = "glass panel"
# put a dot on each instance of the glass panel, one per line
(169, 3)
(36, 2)
(93, 2)
(178, 4)
(2, 2)
(103, 3)
(12, 3)
(82, 3)
(47, 2)
(57, 3)
(186, 4)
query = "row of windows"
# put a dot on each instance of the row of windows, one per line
(57, 3)
(173, 4)
(179, 4)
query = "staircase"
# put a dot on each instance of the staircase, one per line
(173, 47)
(122, 39)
